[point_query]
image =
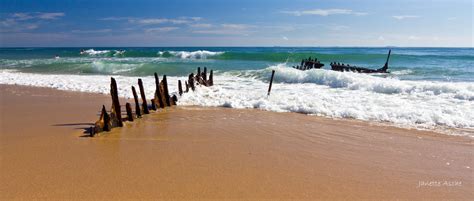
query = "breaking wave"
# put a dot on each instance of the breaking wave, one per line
(365, 82)
(200, 54)
(95, 52)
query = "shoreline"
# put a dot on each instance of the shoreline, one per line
(217, 153)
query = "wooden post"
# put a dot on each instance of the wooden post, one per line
(106, 119)
(153, 104)
(204, 74)
(138, 111)
(129, 112)
(180, 88)
(174, 99)
(198, 74)
(191, 81)
(142, 93)
(103, 124)
(211, 80)
(187, 86)
(165, 87)
(271, 82)
(116, 113)
(92, 130)
(158, 92)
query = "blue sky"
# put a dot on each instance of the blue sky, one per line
(426, 23)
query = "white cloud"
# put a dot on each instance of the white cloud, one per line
(284, 38)
(50, 16)
(402, 17)
(413, 38)
(31, 26)
(278, 28)
(325, 12)
(151, 21)
(179, 21)
(19, 22)
(22, 16)
(235, 26)
(161, 29)
(338, 27)
(91, 31)
(8, 26)
(196, 18)
(381, 38)
(37, 15)
(228, 29)
(8, 22)
(201, 25)
(452, 18)
(116, 18)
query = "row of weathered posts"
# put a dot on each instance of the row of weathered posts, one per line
(161, 99)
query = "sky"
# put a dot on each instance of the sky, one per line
(108, 23)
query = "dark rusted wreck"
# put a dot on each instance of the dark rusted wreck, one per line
(307, 64)
(161, 99)
(346, 67)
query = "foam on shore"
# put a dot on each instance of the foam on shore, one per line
(413, 104)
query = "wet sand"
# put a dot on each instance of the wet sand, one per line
(195, 153)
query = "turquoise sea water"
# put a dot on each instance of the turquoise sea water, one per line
(427, 88)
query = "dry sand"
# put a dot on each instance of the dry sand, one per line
(194, 153)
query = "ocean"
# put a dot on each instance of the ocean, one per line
(427, 88)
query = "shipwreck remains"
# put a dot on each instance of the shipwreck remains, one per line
(161, 99)
(307, 64)
(346, 67)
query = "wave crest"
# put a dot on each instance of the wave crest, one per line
(365, 82)
(95, 52)
(200, 54)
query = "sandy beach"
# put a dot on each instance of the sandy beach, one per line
(199, 153)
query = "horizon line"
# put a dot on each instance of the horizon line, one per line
(179, 46)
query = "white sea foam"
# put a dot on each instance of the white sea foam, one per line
(119, 53)
(402, 72)
(414, 104)
(101, 66)
(95, 52)
(200, 54)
